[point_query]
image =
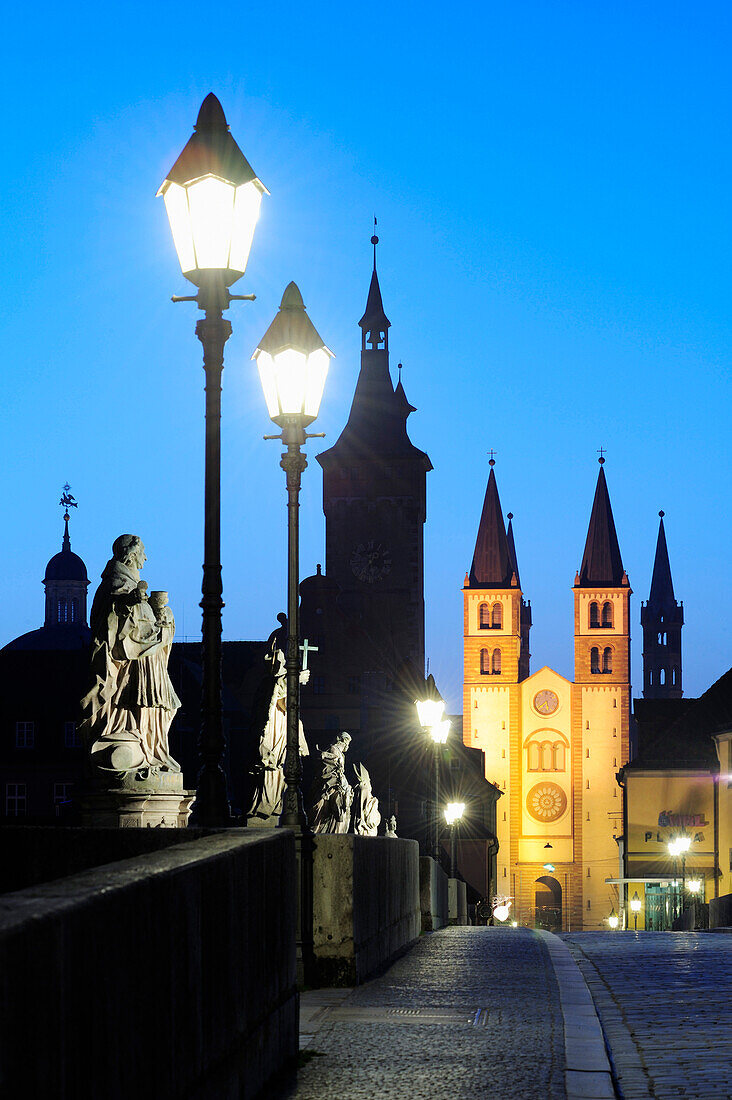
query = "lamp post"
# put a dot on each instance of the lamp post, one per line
(679, 847)
(429, 712)
(613, 920)
(453, 814)
(293, 364)
(212, 198)
(635, 904)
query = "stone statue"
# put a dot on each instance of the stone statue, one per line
(368, 819)
(128, 712)
(266, 805)
(391, 827)
(331, 794)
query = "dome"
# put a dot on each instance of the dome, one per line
(66, 566)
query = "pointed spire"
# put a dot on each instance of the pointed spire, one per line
(492, 566)
(601, 562)
(512, 549)
(662, 587)
(374, 324)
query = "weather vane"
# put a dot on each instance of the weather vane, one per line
(67, 500)
(374, 241)
(491, 459)
(602, 451)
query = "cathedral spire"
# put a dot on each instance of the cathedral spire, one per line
(662, 587)
(601, 561)
(512, 549)
(374, 324)
(492, 565)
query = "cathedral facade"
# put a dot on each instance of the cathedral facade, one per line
(553, 746)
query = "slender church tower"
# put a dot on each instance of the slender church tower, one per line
(66, 581)
(662, 619)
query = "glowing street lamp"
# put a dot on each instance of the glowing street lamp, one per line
(679, 847)
(613, 920)
(293, 364)
(453, 814)
(430, 710)
(635, 905)
(212, 198)
(695, 885)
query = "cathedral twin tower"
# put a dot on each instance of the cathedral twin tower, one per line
(553, 746)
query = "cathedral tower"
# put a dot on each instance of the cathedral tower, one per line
(662, 619)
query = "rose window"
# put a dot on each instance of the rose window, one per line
(546, 801)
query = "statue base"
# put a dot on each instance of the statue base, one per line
(167, 807)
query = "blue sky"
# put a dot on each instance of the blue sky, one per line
(552, 187)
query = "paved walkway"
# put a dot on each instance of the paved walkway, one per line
(467, 1013)
(665, 1004)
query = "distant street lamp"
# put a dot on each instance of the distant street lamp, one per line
(212, 198)
(453, 815)
(679, 847)
(293, 364)
(430, 711)
(695, 885)
(635, 904)
(613, 919)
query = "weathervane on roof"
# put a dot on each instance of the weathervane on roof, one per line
(374, 241)
(67, 500)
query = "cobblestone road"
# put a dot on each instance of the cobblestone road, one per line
(665, 1003)
(468, 1013)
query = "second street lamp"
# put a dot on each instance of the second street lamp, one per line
(293, 364)
(429, 712)
(212, 198)
(453, 815)
(635, 904)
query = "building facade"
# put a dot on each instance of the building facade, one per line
(553, 746)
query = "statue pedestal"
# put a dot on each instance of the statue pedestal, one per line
(159, 803)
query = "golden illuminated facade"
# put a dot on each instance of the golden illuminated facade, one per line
(553, 746)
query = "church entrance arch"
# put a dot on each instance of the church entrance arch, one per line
(548, 904)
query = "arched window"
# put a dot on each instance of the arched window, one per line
(74, 610)
(534, 756)
(496, 662)
(594, 659)
(497, 616)
(607, 659)
(594, 614)
(607, 614)
(675, 677)
(662, 678)
(484, 617)
(485, 662)
(558, 756)
(547, 756)
(62, 610)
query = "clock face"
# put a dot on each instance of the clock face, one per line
(546, 802)
(370, 561)
(546, 702)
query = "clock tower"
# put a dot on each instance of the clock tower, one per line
(374, 499)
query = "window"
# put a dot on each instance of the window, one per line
(607, 614)
(318, 683)
(662, 638)
(558, 756)
(72, 740)
(534, 756)
(74, 610)
(662, 678)
(497, 616)
(496, 662)
(546, 756)
(61, 792)
(594, 659)
(675, 677)
(354, 685)
(15, 799)
(594, 614)
(607, 659)
(484, 617)
(62, 610)
(25, 735)
(484, 662)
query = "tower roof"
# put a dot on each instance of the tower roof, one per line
(662, 587)
(66, 566)
(374, 317)
(512, 548)
(492, 565)
(601, 562)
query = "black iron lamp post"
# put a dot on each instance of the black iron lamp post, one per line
(293, 363)
(453, 816)
(635, 904)
(429, 712)
(212, 198)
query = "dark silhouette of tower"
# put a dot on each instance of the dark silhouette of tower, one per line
(662, 619)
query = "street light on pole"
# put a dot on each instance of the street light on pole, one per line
(453, 815)
(293, 363)
(679, 847)
(430, 711)
(635, 904)
(212, 198)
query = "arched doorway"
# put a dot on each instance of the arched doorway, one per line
(548, 904)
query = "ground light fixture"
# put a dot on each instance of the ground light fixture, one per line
(635, 905)
(212, 197)
(430, 711)
(293, 363)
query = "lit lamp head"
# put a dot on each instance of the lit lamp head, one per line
(694, 885)
(635, 903)
(441, 731)
(453, 812)
(212, 197)
(673, 847)
(683, 844)
(613, 920)
(293, 363)
(429, 712)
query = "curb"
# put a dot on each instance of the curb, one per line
(587, 1069)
